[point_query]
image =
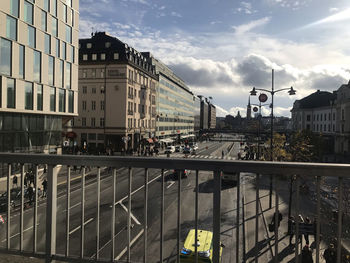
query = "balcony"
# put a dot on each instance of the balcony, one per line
(130, 112)
(125, 208)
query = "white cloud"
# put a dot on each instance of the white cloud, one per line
(176, 14)
(241, 29)
(333, 9)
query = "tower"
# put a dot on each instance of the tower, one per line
(249, 110)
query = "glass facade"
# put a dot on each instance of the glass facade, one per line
(72, 54)
(64, 11)
(28, 98)
(47, 44)
(39, 97)
(21, 61)
(61, 79)
(14, 8)
(52, 99)
(11, 94)
(11, 27)
(31, 36)
(64, 50)
(61, 100)
(68, 34)
(28, 12)
(51, 70)
(5, 56)
(70, 101)
(57, 48)
(37, 66)
(54, 7)
(68, 75)
(47, 5)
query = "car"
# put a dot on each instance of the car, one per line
(178, 148)
(170, 149)
(204, 247)
(193, 145)
(184, 173)
(187, 150)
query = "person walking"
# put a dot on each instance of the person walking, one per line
(222, 154)
(306, 255)
(30, 194)
(306, 236)
(14, 181)
(44, 184)
(291, 228)
(330, 255)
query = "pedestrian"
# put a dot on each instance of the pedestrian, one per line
(25, 180)
(301, 220)
(272, 224)
(330, 255)
(30, 194)
(306, 236)
(291, 228)
(44, 184)
(14, 181)
(306, 255)
(222, 154)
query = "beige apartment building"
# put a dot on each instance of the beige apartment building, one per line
(38, 73)
(117, 96)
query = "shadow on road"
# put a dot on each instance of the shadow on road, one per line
(208, 186)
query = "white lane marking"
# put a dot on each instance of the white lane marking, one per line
(170, 185)
(18, 233)
(206, 157)
(132, 216)
(131, 243)
(75, 229)
(72, 206)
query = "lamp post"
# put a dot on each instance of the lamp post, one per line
(253, 92)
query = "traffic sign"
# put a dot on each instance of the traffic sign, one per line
(262, 97)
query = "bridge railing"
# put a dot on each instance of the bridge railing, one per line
(296, 170)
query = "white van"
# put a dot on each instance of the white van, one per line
(170, 149)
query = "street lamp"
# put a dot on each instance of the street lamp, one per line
(253, 92)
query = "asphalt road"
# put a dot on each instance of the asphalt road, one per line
(206, 150)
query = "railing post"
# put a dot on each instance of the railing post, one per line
(51, 212)
(340, 218)
(216, 216)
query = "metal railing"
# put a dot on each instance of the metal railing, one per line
(295, 170)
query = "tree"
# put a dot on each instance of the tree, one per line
(279, 149)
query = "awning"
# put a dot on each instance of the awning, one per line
(149, 140)
(167, 140)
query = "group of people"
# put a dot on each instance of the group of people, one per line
(29, 185)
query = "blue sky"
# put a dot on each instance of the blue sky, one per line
(222, 48)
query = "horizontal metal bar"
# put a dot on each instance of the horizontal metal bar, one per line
(287, 168)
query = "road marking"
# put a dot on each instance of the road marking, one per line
(75, 229)
(18, 233)
(170, 185)
(131, 215)
(131, 243)
(72, 206)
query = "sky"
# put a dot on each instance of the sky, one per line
(223, 48)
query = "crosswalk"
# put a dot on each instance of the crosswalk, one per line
(199, 156)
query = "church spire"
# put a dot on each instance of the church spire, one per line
(249, 110)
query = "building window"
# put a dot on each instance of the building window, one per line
(5, 56)
(94, 56)
(93, 122)
(342, 115)
(102, 73)
(31, 36)
(102, 105)
(11, 27)
(14, 8)
(64, 50)
(84, 73)
(321, 116)
(39, 97)
(84, 89)
(51, 70)
(102, 122)
(47, 44)
(88, 45)
(28, 98)
(103, 56)
(93, 73)
(116, 56)
(72, 54)
(52, 99)
(57, 48)
(43, 21)
(83, 121)
(68, 75)
(11, 93)
(28, 13)
(85, 57)
(333, 127)
(37, 66)
(21, 61)
(84, 105)
(308, 117)
(54, 27)
(47, 5)
(62, 100)
(93, 105)
(68, 34)
(329, 127)
(54, 7)
(93, 90)
(62, 74)
(70, 101)
(64, 9)
(333, 116)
